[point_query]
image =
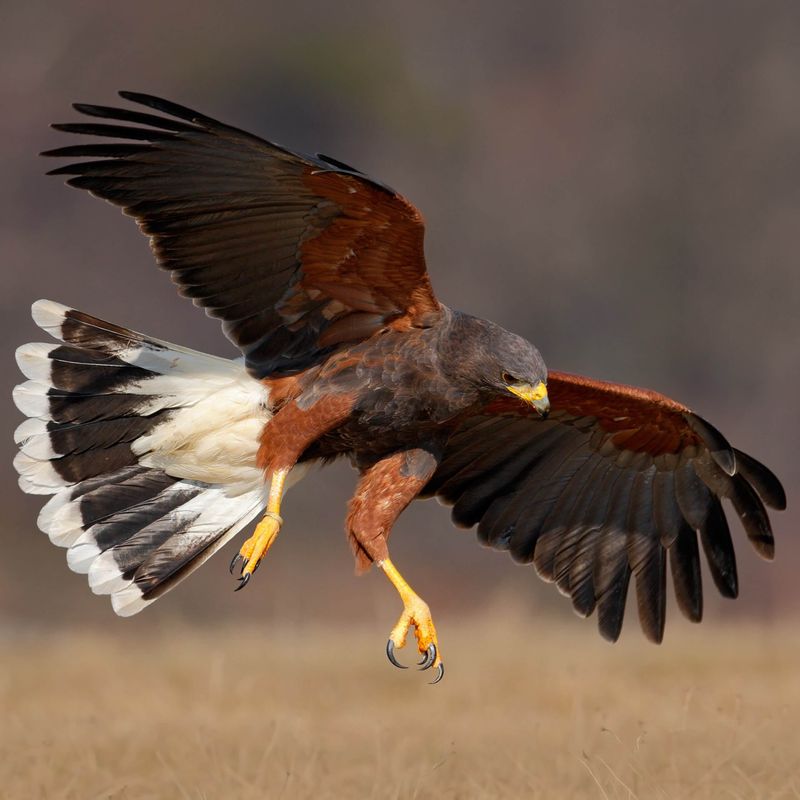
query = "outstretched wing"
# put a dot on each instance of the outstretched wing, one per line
(295, 254)
(615, 482)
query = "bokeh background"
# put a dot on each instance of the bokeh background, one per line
(620, 183)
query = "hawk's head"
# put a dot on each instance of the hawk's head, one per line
(498, 361)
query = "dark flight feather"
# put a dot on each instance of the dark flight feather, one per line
(684, 560)
(617, 482)
(280, 246)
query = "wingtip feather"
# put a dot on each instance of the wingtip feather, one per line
(721, 451)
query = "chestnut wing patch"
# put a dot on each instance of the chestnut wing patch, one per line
(616, 483)
(296, 254)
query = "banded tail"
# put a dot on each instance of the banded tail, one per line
(148, 450)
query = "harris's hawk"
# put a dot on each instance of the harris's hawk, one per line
(156, 455)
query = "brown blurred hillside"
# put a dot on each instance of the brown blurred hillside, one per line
(618, 182)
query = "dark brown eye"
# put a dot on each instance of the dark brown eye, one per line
(508, 378)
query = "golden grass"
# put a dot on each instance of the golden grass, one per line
(524, 711)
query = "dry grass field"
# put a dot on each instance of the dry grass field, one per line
(524, 712)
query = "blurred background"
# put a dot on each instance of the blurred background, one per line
(619, 184)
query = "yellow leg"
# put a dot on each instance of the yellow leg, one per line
(417, 614)
(256, 547)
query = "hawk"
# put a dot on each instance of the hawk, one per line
(157, 455)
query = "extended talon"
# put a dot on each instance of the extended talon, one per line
(243, 581)
(236, 558)
(425, 634)
(391, 656)
(256, 547)
(439, 673)
(428, 658)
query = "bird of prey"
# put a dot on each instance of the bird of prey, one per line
(157, 455)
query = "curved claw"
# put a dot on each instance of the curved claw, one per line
(243, 581)
(233, 563)
(428, 658)
(390, 655)
(439, 673)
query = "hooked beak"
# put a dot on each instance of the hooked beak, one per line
(535, 396)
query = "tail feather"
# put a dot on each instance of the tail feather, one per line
(216, 520)
(90, 333)
(174, 561)
(46, 476)
(45, 441)
(70, 512)
(38, 401)
(149, 521)
(149, 451)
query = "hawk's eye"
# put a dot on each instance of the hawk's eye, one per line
(508, 378)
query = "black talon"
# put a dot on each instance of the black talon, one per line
(233, 563)
(439, 673)
(391, 657)
(243, 581)
(428, 658)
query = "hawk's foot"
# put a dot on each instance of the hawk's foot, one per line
(416, 614)
(256, 547)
